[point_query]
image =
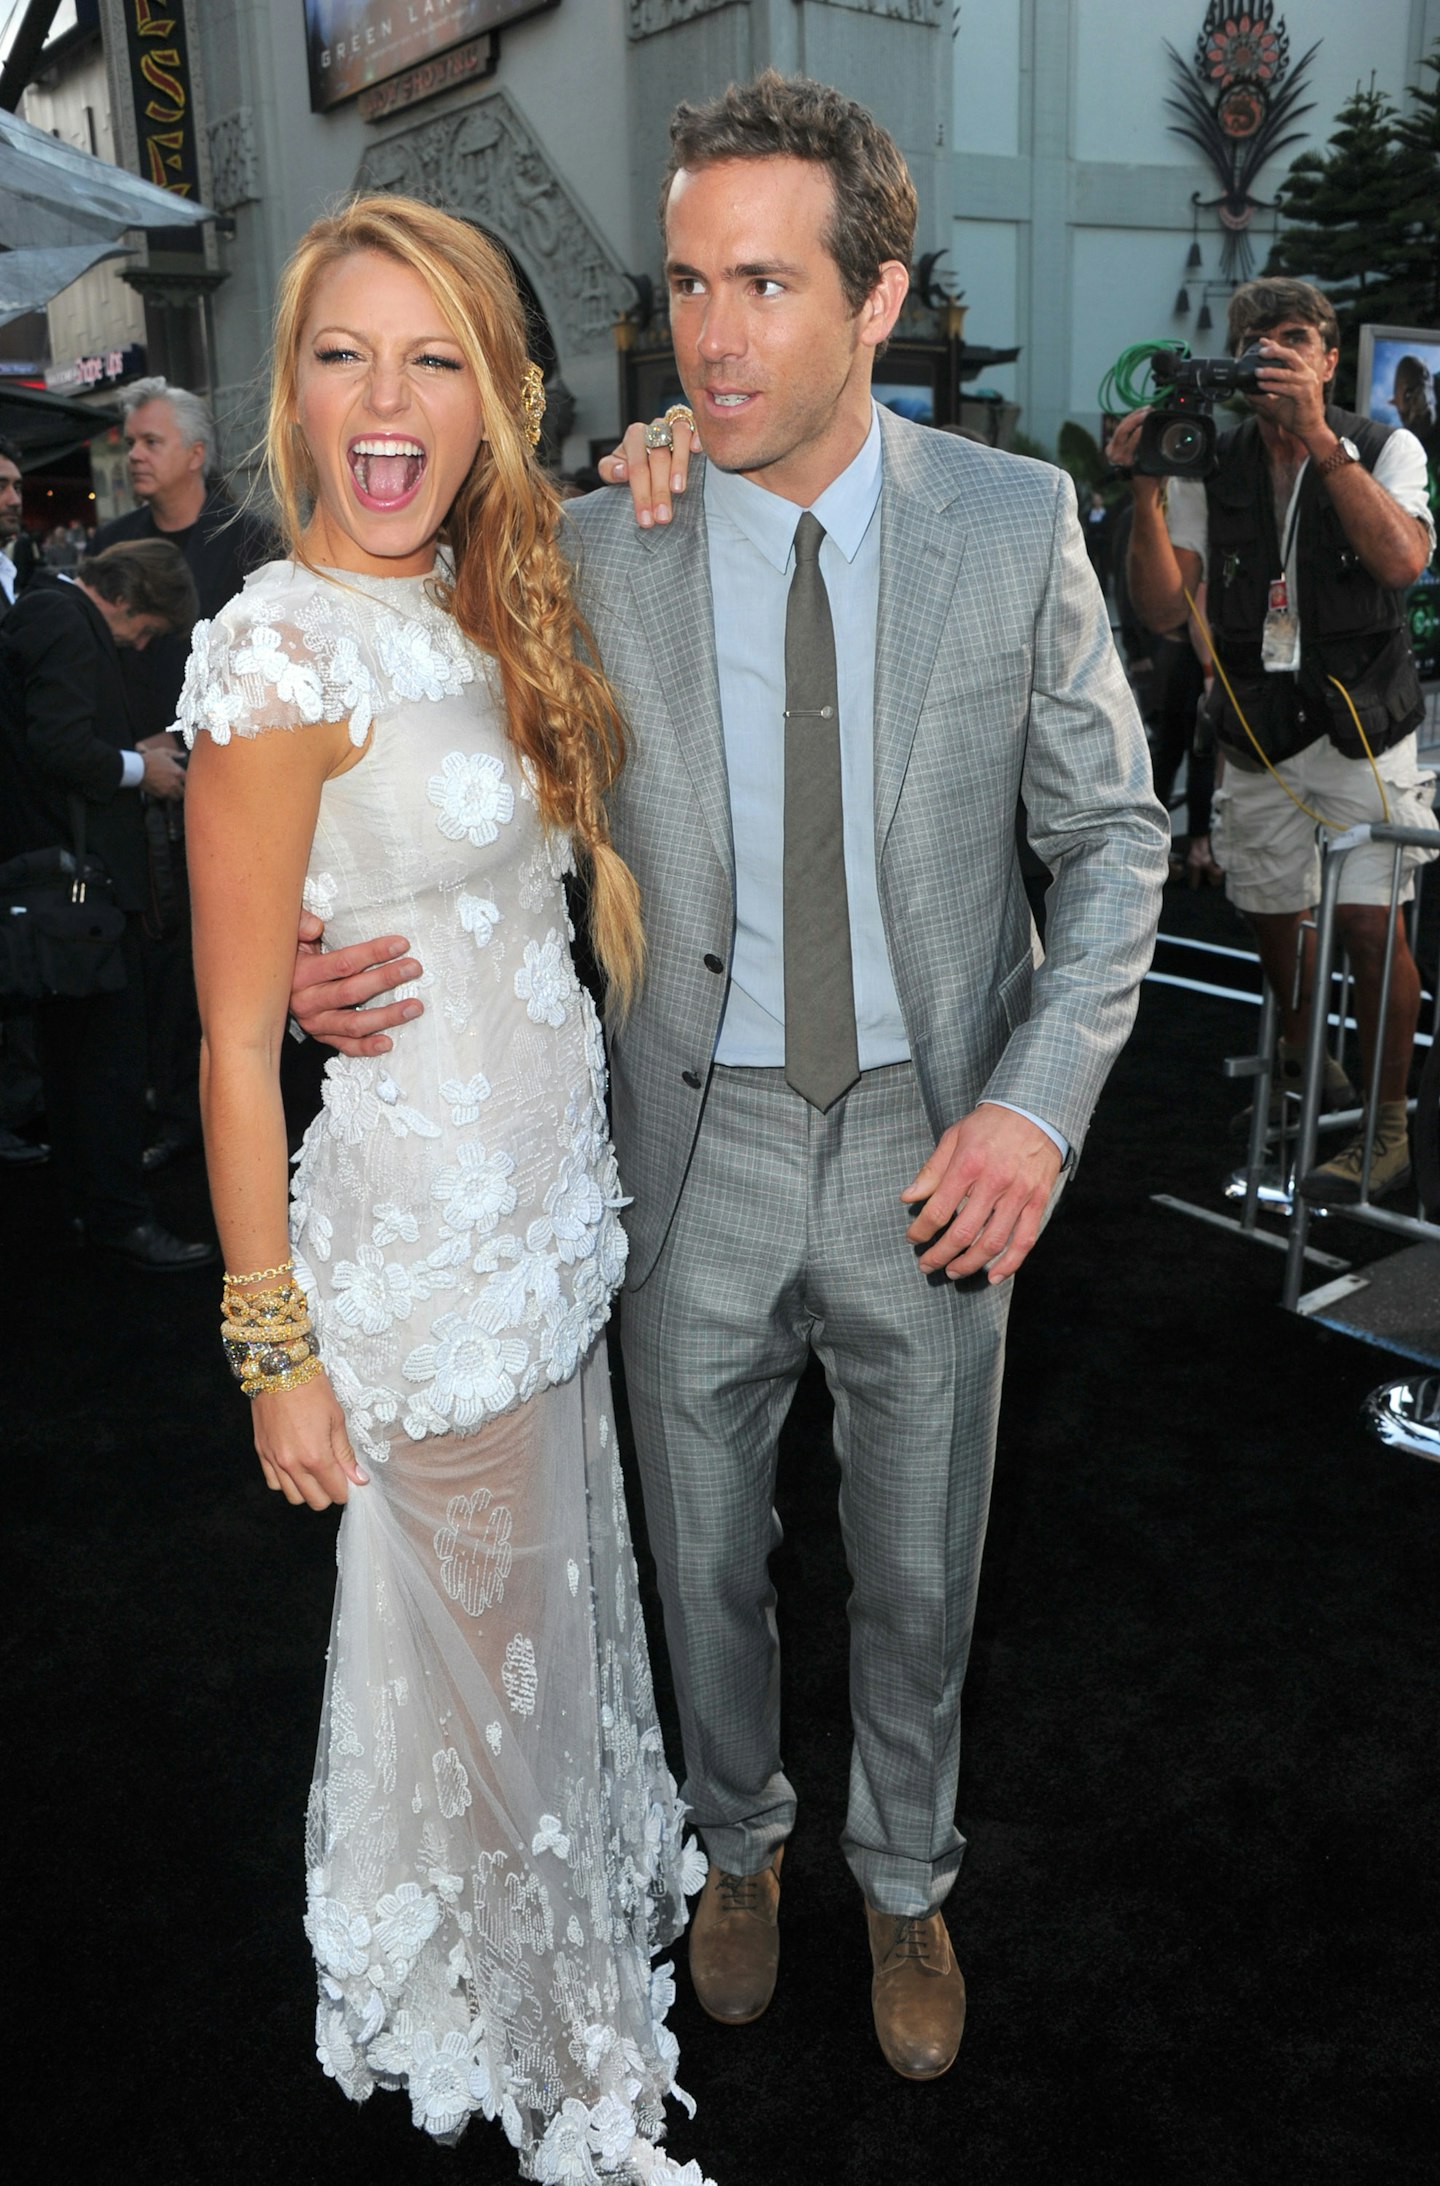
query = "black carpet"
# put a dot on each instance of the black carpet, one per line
(1198, 1916)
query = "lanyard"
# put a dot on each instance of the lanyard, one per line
(1292, 522)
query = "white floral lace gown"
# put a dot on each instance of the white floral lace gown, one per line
(494, 1844)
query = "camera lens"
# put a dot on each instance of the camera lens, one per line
(1182, 443)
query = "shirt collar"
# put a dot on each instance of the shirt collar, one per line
(768, 521)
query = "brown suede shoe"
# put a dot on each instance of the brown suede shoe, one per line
(918, 1993)
(735, 1942)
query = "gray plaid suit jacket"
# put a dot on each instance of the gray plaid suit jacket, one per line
(995, 679)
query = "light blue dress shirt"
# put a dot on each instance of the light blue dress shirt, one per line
(751, 539)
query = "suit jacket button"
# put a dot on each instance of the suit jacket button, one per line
(690, 1078)
(712, 962)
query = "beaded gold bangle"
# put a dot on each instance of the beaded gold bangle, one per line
(268, 1336)
(279, 1332)
(286, 1267)
(257, 1382)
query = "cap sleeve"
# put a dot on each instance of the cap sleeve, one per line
(264, 662)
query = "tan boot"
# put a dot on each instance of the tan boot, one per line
(918, 1993)
(1337, 1182)
(735, 1942)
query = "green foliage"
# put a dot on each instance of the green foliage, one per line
(1022, 444)
(1080, 454)
(1362, 218)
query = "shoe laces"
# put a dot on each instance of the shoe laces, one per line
(911, 1937)
(739, 1893)
(1391, 1136)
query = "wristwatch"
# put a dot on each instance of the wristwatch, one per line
(1347, 452)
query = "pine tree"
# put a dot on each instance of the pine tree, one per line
(1362, 218)
(1415, 219)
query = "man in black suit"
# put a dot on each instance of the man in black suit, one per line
(66, 735)
(19, 1076)
(170, 435)
(10, 522)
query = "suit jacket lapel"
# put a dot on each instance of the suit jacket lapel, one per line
(674, 606)
(922, 545)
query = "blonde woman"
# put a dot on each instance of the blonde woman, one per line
(395, 726)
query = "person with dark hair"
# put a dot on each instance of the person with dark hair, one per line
(1413, 395)
(846, 1091)
(11, 498)
(19, 1077)
(170, 436)
(1308, 533)
(65, 744)
(1413, 399)
(873, 207)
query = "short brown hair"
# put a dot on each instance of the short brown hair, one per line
(1258, 305)
(149, 576)
(789, 117)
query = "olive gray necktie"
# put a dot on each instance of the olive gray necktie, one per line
(820, 1053)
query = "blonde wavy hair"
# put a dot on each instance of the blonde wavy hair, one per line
(511, 591)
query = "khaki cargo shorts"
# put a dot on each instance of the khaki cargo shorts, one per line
(1270, 848)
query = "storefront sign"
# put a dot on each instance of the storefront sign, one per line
(354, 44)
(106, 368)
(156, 70)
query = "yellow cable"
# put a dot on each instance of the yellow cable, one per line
(1365, 741)
(1308, 810)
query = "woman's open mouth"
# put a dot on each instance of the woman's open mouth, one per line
(387, 473)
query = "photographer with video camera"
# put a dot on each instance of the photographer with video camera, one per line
(1306, 524)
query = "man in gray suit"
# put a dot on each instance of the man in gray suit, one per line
(845, 1098)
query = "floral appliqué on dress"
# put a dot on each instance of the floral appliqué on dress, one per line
(494, 1848)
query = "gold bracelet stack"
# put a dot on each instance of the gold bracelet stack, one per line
(268, 1335)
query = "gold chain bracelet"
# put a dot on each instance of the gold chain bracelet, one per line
(286, 1267)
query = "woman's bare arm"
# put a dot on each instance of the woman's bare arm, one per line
(251, 807)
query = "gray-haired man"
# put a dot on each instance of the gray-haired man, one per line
(170, 435)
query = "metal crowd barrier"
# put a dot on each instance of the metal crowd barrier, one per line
(1426, 1124)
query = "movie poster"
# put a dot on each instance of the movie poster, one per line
(356, 43)
(1399, 384)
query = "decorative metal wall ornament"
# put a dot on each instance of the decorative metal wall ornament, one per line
(1237, 99)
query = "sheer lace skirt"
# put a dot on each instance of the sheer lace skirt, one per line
(494, 1841)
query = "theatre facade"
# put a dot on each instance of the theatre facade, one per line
(1066, 211)
(545, 126)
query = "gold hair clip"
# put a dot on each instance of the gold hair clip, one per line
(532, 403)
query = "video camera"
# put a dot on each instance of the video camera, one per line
(1177, 439)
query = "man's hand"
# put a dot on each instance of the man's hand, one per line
(985, 1190)
(1291, 379)
(164, 774)
(1120, 451)
(654, 475)
(327, 989)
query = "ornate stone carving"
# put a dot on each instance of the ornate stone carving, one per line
(485, 163)
(649, 17)
(234, 163)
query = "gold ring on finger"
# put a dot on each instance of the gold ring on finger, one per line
(680, 413)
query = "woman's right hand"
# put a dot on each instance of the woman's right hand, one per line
(654, 475)
(303, 1446)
